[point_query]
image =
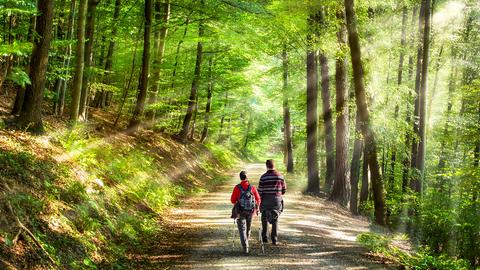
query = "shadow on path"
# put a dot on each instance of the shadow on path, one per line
(313, 234)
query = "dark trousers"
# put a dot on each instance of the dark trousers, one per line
(244, 223)
(273, 234)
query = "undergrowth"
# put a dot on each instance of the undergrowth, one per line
(422, 259)
(94, 199)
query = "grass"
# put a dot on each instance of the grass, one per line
(91, 200)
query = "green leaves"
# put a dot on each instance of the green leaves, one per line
(19, 77)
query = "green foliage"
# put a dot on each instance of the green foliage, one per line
(423, 259)
(19, 77)
(17, 48)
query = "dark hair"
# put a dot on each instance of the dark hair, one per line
(243, 175)
(269, 164)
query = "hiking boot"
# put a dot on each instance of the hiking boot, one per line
(274, 241)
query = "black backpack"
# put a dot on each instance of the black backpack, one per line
(247, 200)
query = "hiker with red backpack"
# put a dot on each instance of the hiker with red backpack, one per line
(246, 201)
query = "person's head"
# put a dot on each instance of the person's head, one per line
(269, 163)
(243, 175)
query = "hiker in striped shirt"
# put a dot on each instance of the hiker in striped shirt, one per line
(271, 188)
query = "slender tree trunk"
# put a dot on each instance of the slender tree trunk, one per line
(194, 121)
(89, 34)
(451, 89)
(143, 81)
(423, 98)
(129, 82)
(196, 80)
(327, 123)
(177, 53)
(360, 99)
(365, 175)
(312, 118)
(66, 61)
(79, 65)
(287, 128)
(355, 167)
(435, 83)
(100, 98)
(403, 42)
(209, 101)
(414, 185)
(341, 186)
(408, 118)
(159, 49)
(31, 113)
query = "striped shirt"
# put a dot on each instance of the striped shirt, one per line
(272, 183)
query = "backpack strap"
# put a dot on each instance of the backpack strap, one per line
(249, 188)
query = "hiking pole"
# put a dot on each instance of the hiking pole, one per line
(260, 234)
(233, 233)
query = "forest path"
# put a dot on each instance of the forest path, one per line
(313, 234)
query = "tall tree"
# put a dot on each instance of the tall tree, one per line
(287, 127)
(89, 34)
(403, 41)
(162, 16)
(208, 107)
(79, 62)
(143, 80)
(355, 167)
(361, 101)
(414, 183)
(341, 185)
(364, 192)
(327, 122)
(100, 97)
(196, 81)
(31, 112)
(423, 98)
(312, 115)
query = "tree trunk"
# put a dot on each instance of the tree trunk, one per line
(406, 157)
(435, 83)
(312, 118)
(365, 175)
(100, 98)
(451, 88)
(31, 113)
(360, 99)
(79, 65)
(355, 167)
(328, 125)
(194, 121)
(341, 186)
(423, 98)
(209, 101)
(414, 184)
(89, 34)
(159, 49)
(143, 80)
(196, 80)
(403, 42)
(287, 128)
(128, 83)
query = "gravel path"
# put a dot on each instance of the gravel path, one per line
(313, 234)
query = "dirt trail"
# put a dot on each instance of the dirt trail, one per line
(313, 234)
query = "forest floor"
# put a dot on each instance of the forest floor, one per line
(313, 234)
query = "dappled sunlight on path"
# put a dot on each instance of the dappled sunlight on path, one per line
(313, 234)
